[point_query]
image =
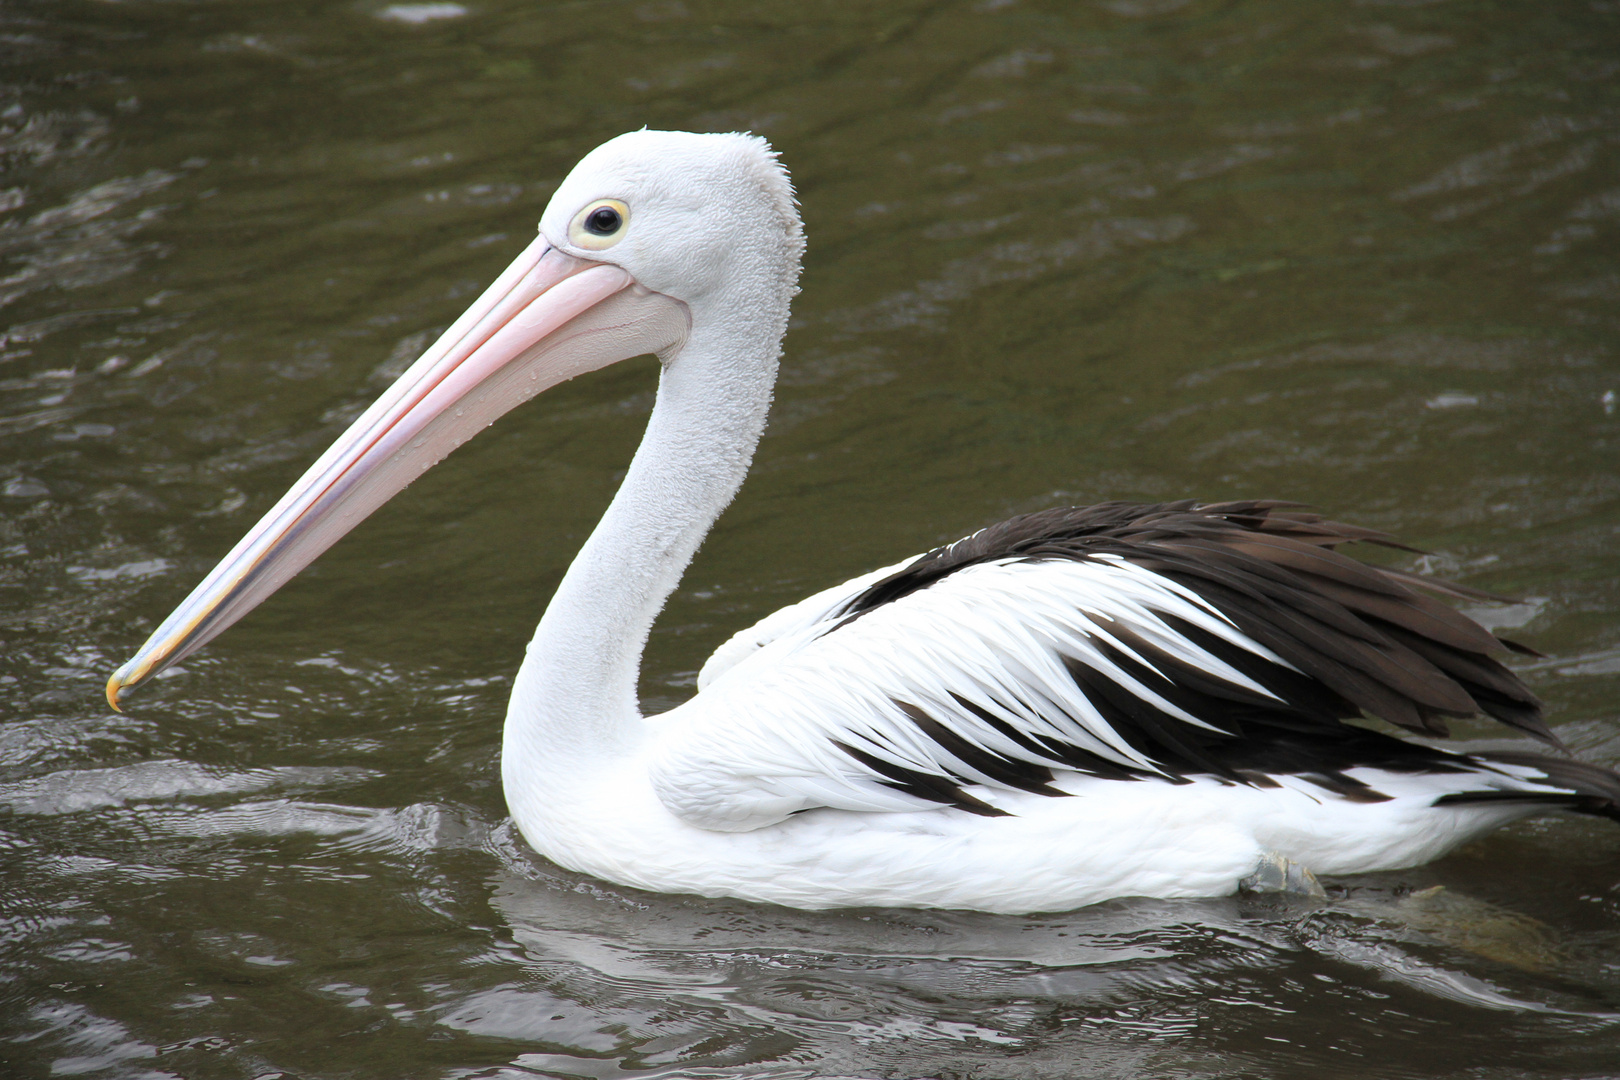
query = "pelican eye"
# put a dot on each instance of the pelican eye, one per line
(600, 225)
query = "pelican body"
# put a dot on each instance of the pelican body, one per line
(1070, 706)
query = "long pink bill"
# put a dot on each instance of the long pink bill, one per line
(547, 318)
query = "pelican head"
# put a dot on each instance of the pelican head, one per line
(652, 234)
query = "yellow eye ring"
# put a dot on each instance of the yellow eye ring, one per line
(600, 225)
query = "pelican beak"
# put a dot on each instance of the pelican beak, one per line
(548, 317)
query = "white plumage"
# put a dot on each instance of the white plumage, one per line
(1061, 709)
(761, 744)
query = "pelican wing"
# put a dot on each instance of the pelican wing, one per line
(1120, 641)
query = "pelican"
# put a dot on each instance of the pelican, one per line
(1070, 706)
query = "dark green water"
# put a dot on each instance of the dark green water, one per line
(1363, 255)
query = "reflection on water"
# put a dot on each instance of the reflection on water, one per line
(922, 991)
(1359, 254)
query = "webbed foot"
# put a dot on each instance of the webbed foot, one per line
(1280, 874)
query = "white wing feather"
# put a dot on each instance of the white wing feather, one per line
(764, 743)
(812, 611)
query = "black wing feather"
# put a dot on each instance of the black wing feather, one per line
(1355, 639)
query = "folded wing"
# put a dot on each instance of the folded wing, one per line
(1120, 641)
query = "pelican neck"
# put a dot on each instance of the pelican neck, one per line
(575, 693)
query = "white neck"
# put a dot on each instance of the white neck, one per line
(574, 701)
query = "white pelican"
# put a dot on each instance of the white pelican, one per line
(1070, 706)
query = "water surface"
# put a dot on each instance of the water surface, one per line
(1361, 255)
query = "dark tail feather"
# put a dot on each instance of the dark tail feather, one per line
(1592, 789)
